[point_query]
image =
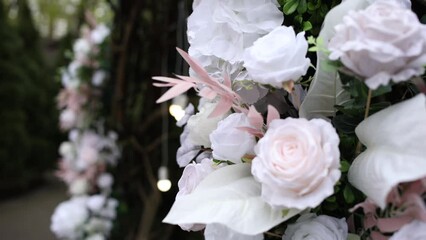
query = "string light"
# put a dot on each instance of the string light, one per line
(177, 109)
(163, 183)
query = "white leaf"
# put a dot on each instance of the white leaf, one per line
(228, 196)
(326, 89)
(396, 144)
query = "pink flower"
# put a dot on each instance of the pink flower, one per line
(297, 162)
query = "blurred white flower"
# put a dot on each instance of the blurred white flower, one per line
(80, 186)
(384, 42)
(81, 47)
(98, 77)
(99, 34)
(98, 225)
(277, 57)
(230, 143)
(96, 237)
(67, 119)
(105, 181)
(69, 217)
(96, 202)
(310, 226)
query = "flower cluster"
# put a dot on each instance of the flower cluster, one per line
(89, 151)
(255, 158)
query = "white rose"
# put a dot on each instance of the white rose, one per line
(230, 143)
(416, 230)
(69, 217)
(278, 57)
(383, 42)
(323, 227)
(224, 28)
(297, 162)
(221, 232)
(201, 125)
(79, 186)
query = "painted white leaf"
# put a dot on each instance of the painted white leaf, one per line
(229, 196)
(326, 89)
(396, 144)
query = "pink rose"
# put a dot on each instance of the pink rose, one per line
(297, 162)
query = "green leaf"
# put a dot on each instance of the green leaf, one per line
(348, 194)
(382, 90)
(352, 236)
(307, 26)
(344, 166)
(311, 40)
(303, 7)
(290, 6)
(313, 49)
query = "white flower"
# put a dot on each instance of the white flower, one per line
(416, 230)
(383, 42)
(98, 77)
(220, 232)
(297, 162)
(68, 119)
(96, 202)
(105, 181)
(224, 28)
(81, 47)
(230, 143)
(80, 186)
(323, 227)
(99, 34)
(395, 141)
(68, 219)
(67, 150)
(96, 237)
(201, 125)
(109, 210)
(99, 225)
(278, 57)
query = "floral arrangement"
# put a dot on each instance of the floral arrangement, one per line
(90, 151)
(280, 149)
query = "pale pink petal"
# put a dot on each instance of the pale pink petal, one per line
(255, 118)
(272, 114)
(175, 91)
(222, 107)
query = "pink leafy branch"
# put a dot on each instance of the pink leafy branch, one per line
(206, 86)
(256, 121)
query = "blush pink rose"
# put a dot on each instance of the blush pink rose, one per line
(297, 162)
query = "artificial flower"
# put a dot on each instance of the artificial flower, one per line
(384, 42)
(277, 57)
(224, 28)
(230, 143)
(297, 162)
(68, 218)
(310, 226)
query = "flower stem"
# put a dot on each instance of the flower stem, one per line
(367, 111)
